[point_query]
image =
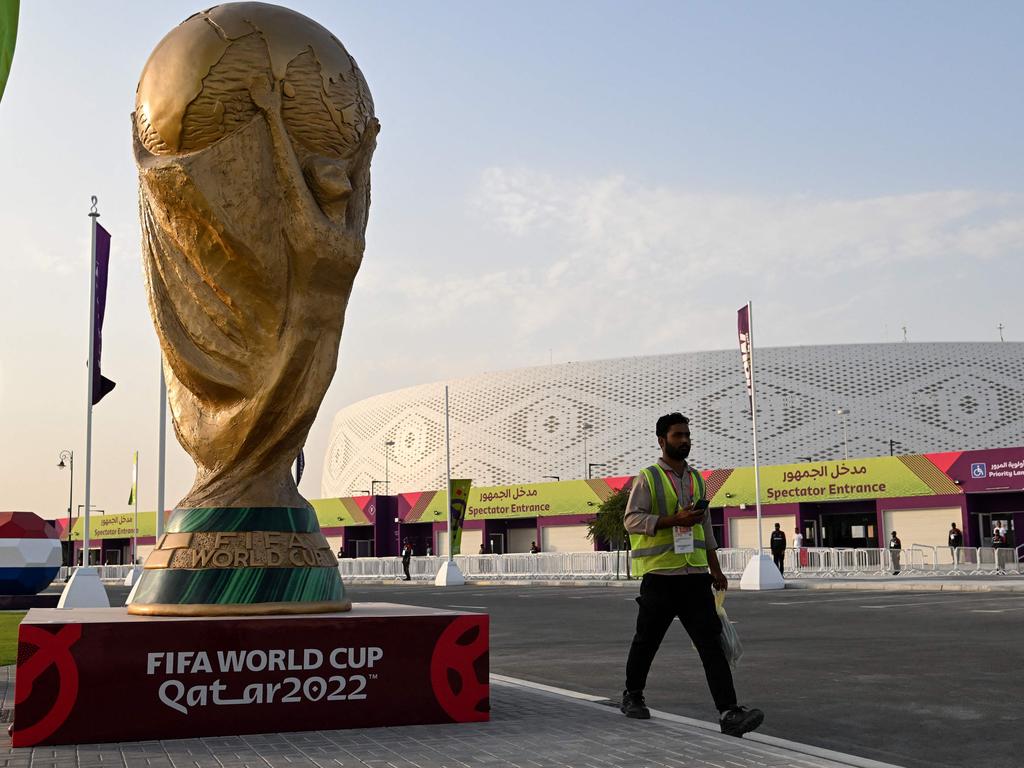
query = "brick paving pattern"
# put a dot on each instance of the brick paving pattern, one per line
(528, 729)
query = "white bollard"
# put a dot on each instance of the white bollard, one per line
(449, 575)
(761, 573)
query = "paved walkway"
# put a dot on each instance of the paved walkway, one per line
(529, 728)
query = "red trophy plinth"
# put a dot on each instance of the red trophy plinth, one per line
(102, 675)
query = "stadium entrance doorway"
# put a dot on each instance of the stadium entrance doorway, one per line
(845, 524)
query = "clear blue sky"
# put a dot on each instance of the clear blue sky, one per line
(554, 181)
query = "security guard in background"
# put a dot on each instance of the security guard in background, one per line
(778, 547)
(673, 549)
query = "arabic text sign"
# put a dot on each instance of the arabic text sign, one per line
(570, 497)
(1001, 469)
(120, 526)
(824, 481)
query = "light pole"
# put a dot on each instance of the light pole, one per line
(590, 474)
(69, 456)
(362, 491)
(586, 428)
(373, 486)
(85, 554)
(387, 485)
(550, 477)
(846, 446)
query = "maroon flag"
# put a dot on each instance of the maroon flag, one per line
(101, 385)
(743, 326)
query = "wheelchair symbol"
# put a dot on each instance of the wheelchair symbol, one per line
(979, 471)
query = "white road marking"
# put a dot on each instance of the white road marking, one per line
(801, 601)
(969, 599)
(905, 605)
(474, 607)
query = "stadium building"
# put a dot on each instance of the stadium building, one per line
(855, 441)
(817, 405)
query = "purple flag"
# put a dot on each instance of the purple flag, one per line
(101, 385)
(743, 326)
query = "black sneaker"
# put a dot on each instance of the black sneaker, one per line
(740, 720)
(633, 706)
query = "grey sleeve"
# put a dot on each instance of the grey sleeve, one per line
(638, 517)
(710, 542)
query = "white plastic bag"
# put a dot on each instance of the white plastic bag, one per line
(731, 644)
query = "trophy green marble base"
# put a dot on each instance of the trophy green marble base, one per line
(241, 561)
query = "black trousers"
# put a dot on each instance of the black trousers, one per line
(688, 598)
(780, 560)
(405, 567)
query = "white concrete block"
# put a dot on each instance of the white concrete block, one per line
(761, 573)
(449, 575)
(84, 590)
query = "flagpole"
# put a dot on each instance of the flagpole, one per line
(449, 575)
(161, 454)
(448, 473)
(94, 215)
(753, 424)
(135, 496)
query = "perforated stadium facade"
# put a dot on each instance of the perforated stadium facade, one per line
(522, 425)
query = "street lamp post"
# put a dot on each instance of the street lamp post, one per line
(362, 491)
(590, 474)
(373, 486)
(586, 428)
(387, 484)
(846, 446)
(69, 456)
(550, 477)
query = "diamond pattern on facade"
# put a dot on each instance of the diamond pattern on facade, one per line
(518, 426)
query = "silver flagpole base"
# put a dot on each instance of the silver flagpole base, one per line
(449, 575)
(133, 576)
(84, 590)
(761, 573)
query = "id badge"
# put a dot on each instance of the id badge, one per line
(682, 540)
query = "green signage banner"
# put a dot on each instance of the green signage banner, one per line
(875, 478)
(569, 497)
(121, 526)
(337, 513)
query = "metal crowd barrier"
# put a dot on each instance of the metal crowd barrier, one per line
(816, 562)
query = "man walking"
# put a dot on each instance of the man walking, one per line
(673, 550)
(778, 545)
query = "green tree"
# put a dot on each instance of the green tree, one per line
(609, 525)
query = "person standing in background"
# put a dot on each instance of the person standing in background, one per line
(778, 546)
(406, 558)
(895, 551)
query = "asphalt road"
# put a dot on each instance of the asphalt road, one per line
(923, 680)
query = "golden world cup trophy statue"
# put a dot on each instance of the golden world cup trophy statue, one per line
(253, 131)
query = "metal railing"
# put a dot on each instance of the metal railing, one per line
(808, 562)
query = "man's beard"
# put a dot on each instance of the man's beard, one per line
(677, 453)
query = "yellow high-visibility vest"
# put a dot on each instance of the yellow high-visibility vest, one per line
(656, 553)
